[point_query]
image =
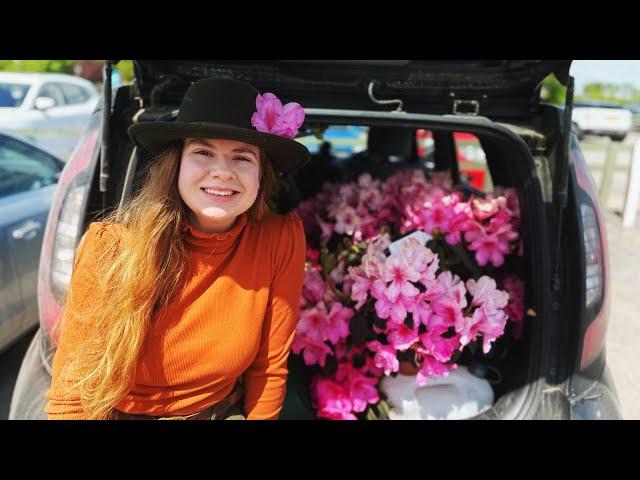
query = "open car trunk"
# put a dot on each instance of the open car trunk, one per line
(513, 156)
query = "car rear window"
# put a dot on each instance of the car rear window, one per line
(74, 94)
(12, 94)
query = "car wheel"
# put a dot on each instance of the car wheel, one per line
(618, 138)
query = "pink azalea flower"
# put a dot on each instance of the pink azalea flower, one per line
(313, 287)
(337, 274)
(396, 311)
(384, 357)
(485, 294)
(365, 180)
(484, 208)
(326, 230)
(459, 223)
(313, 254)
(439, 347)
(272, 117)
(468, 327)
(338, 324)
(515, 308)
(402, 337)
(448, 311)
(421, 310)
(313, 352)
(331, 400)
(400, 274)
(362, 389)
(454, 288)
(489, 247)
(435, 215)
(491, 325)
(370, 367)
(346, 220)
(314, 323)
(431, 367)
(348, 194)
(360, 291)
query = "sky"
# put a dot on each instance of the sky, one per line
(614, 71)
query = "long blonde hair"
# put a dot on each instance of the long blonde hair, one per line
(137, 277)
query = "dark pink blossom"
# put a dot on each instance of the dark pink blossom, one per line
(312, 288)
(401, 336)
(272, 117)
(313, 352)
(362, 389)
(515, 308)
(338, 322)
(331, 400)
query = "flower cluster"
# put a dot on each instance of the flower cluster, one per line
(384, 285)
(406, 202)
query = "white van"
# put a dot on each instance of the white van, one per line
(599, 118)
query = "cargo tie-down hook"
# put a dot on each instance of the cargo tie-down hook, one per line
(385, 102)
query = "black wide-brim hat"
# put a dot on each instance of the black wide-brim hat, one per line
(220, 108)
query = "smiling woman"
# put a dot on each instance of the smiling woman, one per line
(183, 303)
(219, 179)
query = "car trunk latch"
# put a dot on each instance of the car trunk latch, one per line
(466, 107)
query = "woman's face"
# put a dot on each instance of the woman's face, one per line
(218, 180)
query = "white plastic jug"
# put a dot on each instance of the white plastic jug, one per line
(456, 396)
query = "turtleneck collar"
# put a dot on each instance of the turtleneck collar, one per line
(218, 242)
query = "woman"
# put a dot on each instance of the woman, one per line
(184, 303)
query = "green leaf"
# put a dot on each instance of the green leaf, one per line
(327, 260)
(371, 414)
(383, 408)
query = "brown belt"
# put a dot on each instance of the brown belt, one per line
(215, 412)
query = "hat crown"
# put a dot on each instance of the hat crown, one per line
(219, 100)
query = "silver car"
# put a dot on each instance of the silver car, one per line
(28, 179)
(50, 109)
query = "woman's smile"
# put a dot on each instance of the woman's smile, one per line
(218, 195)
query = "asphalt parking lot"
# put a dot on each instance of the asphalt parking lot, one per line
(10, 362)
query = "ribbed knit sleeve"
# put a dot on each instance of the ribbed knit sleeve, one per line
(61, 405)
(265, 379)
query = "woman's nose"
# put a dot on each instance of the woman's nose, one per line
(221, 166)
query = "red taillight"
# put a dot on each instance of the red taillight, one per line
(596, 281)
(64, 223)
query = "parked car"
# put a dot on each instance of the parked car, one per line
(635, 111)
(559, 369)
(50, 109)
(602, 118)
(28, 177)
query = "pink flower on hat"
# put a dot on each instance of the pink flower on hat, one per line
(272, 117)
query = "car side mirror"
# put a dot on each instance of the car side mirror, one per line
(44, 103)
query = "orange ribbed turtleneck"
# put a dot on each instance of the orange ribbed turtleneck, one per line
(236, 315)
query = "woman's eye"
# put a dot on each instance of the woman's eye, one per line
(203, 152)
(243, 159)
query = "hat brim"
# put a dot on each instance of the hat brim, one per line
(285, 154)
